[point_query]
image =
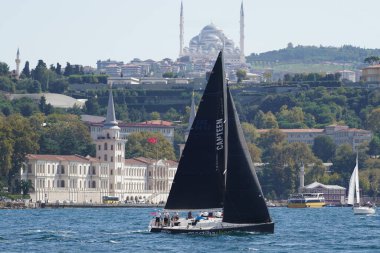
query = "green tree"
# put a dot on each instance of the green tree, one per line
(6, 84)
(39, 72)
(4, 69)
(372, 60)
(66, 135)
(25, 141)
(373, 121)
(241, 75)
(92, 106)
(155, 115)
(255, 152)
(250, 132)
(265, 120)
(26, 70)
(26, 186)
(35, 87)
(324, 147)
(168, 75)
(374, 146)
(6, 148)
(138, 145)
(58, 86)
(68, 70)
(171, 114)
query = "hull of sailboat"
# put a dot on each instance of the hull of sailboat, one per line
(220, 228)
(364, 210)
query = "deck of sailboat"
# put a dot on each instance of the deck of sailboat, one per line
(213, 226)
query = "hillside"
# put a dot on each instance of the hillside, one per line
(312, 54)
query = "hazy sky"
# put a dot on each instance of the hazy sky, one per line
(84, 31)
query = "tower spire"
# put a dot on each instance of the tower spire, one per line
(242, 57)
(18, 63)
(181, 23)
(111, 121)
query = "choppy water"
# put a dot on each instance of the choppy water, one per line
(125, 230)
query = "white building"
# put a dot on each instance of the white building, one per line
(339, 134)
(79, 179)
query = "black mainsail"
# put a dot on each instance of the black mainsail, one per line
(244, 201)
(199, 182)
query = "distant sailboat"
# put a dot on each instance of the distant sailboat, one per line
(215, 172)
(354, 190)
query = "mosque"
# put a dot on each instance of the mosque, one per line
(206, 45)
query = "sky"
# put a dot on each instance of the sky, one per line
(84, 31)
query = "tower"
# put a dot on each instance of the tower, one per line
(302, 177)
(242, 57)
(18, 64)
(110, 149)
(181, 23)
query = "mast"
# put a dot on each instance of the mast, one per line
(357, 190)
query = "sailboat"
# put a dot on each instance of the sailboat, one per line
(354, 190)
(215, 173)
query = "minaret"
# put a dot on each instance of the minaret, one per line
(18, 64)
(181, 22)
(242, 57)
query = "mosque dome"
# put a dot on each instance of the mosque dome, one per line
(209, 41)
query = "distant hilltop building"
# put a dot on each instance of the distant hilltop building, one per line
(371, 73)
(339, 134)
(206, 45)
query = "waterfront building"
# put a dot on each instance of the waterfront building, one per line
(339, 134)
(78, 179)
(334, 194)
(371, 73)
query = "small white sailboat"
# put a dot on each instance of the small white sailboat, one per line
(354, 190)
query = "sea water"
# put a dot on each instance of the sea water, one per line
(334, 229)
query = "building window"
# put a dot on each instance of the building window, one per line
(29, 168)
(105, 146)
(111, 147)
(93, 170)
(99, 147)
(111, 158)
(105, 157)
(93, 184)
